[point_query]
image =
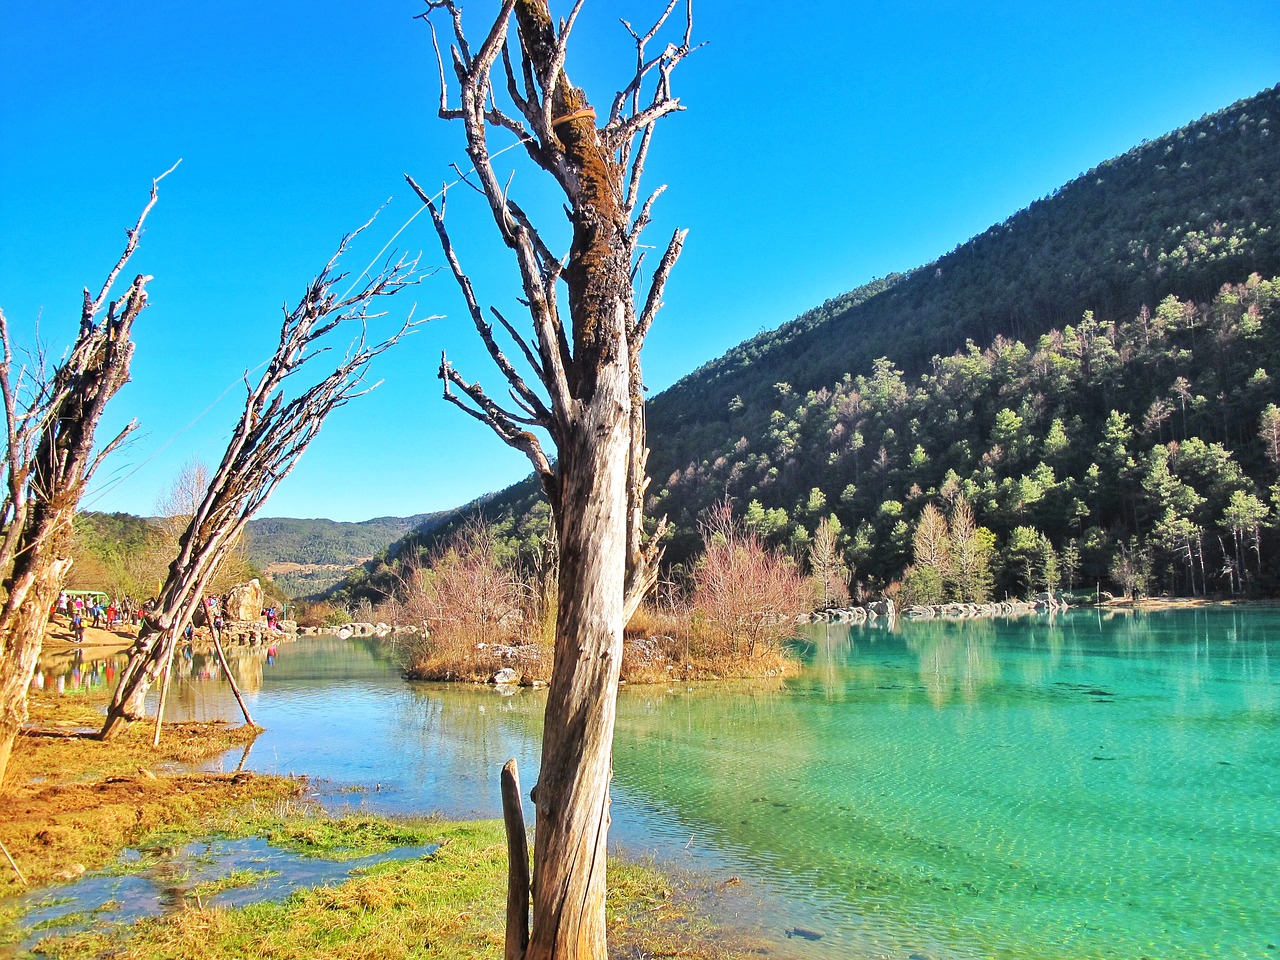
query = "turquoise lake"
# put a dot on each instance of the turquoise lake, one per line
(1093, 785)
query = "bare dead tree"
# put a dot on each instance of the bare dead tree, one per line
(591, 404)
(271, 435)
(50, 422)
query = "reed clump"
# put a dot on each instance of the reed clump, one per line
(479, 610)
(731, 617)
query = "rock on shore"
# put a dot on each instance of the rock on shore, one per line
(1041, 603)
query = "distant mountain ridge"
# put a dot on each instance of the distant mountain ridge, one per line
(321, 541)
(305, 557)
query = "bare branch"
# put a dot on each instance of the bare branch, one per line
(493, 43)
(506, 421)
(505, 425)
(555, 66)
(444, 111)
(519, 341)
(653, 303)
(105, 452)
(484, 329)
(642, 219)
(632, 90)
(265, 445)
(93, 307)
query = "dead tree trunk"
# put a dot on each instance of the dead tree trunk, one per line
(593, 410)
(50, 425)
(271, 435)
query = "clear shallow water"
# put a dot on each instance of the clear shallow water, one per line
(170, 881)
(1082, 787)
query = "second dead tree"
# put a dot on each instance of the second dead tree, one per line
(271, 435)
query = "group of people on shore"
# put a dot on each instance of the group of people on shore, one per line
(79, 609)
(82, 608)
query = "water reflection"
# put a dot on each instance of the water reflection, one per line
(70, 671)
(956, 658)
(169, 880)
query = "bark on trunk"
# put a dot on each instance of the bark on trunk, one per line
(572, 795)
(157, 638)
(144, 665)
(33, 592)
(152, 651)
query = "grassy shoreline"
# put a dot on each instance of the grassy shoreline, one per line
(446, 903)
(73, 804)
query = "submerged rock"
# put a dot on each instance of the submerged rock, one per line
(804, 933)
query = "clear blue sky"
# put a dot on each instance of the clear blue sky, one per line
(825, 143)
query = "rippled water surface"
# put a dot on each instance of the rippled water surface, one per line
(1086, 787)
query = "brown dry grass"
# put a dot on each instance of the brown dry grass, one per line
(478, 663)
(674, 641)
(70, 802)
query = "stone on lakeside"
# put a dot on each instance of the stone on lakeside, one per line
(244, 601)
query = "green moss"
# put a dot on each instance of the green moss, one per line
(235, 880)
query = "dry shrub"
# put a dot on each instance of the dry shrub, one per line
(730, 621)
(647, 658)
(643, 622)
(669, 641)
(746, 597)
(471, 600)
(320, 614)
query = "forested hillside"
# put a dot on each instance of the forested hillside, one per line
(1179, 215)
(1076, 372)
(1156, 437)
(307, 557)
(285, 539)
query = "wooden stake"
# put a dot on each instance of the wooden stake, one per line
(226, 668)
(517, 864)
(21, 878)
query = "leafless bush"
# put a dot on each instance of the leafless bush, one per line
(746, 597)
(469, 597)
(319, 614)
